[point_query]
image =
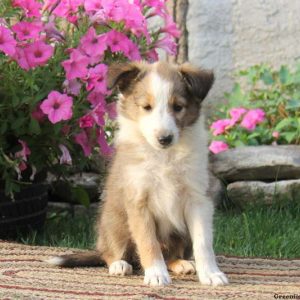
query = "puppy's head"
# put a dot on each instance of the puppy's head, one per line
(161, 98)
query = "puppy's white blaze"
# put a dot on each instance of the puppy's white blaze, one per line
(55, 260)
(159, 121)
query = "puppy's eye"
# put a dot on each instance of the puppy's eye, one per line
(177, 107)
(147, 107)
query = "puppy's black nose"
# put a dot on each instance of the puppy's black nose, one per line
(165, 140)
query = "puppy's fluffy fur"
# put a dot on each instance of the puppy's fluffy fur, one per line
(156, 209)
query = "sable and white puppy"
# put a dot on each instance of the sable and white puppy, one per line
(156, 209)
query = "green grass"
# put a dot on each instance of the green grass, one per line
(259, 231)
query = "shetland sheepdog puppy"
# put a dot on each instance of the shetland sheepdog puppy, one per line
(157, 211)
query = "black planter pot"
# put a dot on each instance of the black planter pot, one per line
(27, 211)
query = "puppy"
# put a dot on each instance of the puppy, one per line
(156, 209)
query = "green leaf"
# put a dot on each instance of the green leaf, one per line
(34, 127)
(293, 103)
(283, 123)
(289, 136)
(284, 74)
(81, 196)
(267, 77)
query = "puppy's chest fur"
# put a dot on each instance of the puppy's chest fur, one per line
(164, 179)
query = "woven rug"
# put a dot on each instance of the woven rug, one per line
(24, 275)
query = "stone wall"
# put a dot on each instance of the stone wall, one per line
(227, 35)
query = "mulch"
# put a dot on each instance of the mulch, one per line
(25, 275)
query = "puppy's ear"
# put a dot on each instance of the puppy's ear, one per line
(122, 75)
(198, 81)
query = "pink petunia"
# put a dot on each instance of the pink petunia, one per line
(117, 41)
(236, 114)
(24, 152)
(167, 44)
(96, 98)
(220, 126)
(7, 42)
(65, 158)
(52, 33)
(31, 8)
(152, 55)
(27, 30)
(38, 53)
(133, 52)
(170, 27)
(96, 79)
(57, 106)
(106, 150)
(86, 121)
(83, 140)
(252, 118)
(98, 114)
(111, 110)
(37, 114)
(72, 87)
(218, 146)
(76, 66)
(21, 58)
(93, 44)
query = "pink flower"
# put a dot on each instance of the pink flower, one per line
(7, 42)
(38, 53)
(21, 58)
(220, 126)
(96, 98)
(30, 7)
(111, 110)
(158, 5)
(37, 114)
(236, 114)
(92, 44)
(275, 134)
(57, 106)
(152, 55)
(76, 66)
(52, 32)
(72, 87)
(92, 5)
(117, 41)
(170, 27)
(86, 121)
(167, 44)
(96, 79)
(98, 114)
(133, 52)
(252, 118)
(66, 156)
(105, 148)
(218, 146)
(25, 151)
(83, 140)
(27, 30)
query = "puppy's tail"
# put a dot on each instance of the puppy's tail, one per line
(84, 259)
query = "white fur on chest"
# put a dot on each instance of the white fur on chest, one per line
(171, 178)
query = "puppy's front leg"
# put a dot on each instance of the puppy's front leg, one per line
(199, 218)
(143, 232)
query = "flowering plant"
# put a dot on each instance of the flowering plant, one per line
(56, 108)
(263, 110)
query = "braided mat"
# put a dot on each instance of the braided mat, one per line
(24, 275)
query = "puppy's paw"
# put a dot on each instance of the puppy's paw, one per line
(157, 276)
(212, 278)
(182, 267)
(120, 267)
